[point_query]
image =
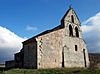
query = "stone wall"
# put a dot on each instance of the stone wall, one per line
(94, 59)
(75, 58)
(10, 64)
(19, 57)
(53, 44)
(50, 49)
(30, 55)
(55, 49)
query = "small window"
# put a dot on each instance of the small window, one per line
(75, 47)
(72, 18)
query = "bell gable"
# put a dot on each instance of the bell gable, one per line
(71, 17)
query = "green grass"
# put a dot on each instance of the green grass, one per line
(52, 71)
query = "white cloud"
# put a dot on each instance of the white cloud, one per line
(91, 30)
(86, 28)
(10, 43)
(31, 28)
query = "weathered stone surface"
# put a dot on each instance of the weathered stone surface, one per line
(54, 43)
(49, 51)
(30, 55)
(60, 47)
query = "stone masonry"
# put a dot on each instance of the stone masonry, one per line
(62, 46)
(56, 48)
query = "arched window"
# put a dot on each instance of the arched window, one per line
(70, 30)
(77, 33)
(72, 18)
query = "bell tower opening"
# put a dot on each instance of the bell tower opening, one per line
(72, 18)
(77, 33)
(70, 30)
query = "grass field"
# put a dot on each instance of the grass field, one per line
(52, 71)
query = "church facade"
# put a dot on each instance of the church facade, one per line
(62, 46)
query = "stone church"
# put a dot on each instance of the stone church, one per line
(62, 46)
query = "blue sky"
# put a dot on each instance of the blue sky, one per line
(22, 19)
(16, 15)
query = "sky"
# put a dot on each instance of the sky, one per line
(23, 19)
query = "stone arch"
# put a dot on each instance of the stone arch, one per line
(70, 30)
(77, 32)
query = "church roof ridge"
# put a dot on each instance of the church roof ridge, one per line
(51, 30)
(45, 32)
